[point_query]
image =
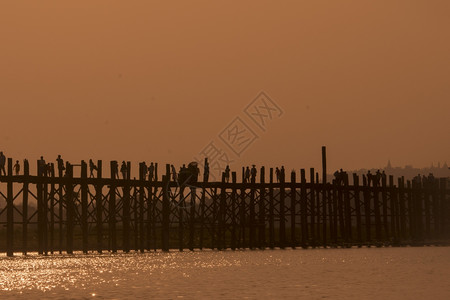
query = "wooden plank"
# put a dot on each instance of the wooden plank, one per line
(61, 208)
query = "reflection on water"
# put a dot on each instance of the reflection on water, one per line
(369, 273)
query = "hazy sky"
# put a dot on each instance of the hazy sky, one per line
(160, 80)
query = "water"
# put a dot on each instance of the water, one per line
(367, 273)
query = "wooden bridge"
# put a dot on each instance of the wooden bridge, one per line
(51, 213)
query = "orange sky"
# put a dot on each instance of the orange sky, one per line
(159, 80)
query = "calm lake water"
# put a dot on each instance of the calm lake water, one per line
(366, 273)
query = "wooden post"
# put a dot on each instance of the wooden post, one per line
(376, 202)
(242, 212)
(304, 209)
(112, 208)
(84, 204)
(192, 219)
(99, 207)
(141, 207)
(336, 213)
(319, 203)
(44, 213)
(271, 212)
(52, 210)
(39, 196)
(165, 210)
(411, 210)
(10, 211)
(347, 212)
(252, 214)
(367, 217)
(357, 209)
(26, 173)
(385, 208)
(202, 218)
(324, 197)
(261, 211)
(282, 216)
(61, 210)
(394, 217)
(222, 215)
(312, 207)
(70, 208)
(180, 209)
(234, 211)
(126, 212)
(293, 197)
(402, 208)
(445, 230)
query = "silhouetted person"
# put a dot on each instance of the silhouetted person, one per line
(17, 167)
(277, 174)
(2, 163)
(115, 169)
(42, 166)
(253, 173)
(282, 174)
(48, 169)
(206, 171)
(227, 173)
(378, 177)
(431, 177)
(144, 170)
(247, 175)
(60, 163)
(174, 173)
(92, 168)
(151, 171)
(123, 170)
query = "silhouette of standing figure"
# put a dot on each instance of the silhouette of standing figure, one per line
(92, 168)
(282, 173)
(123, 170)
(277, 174)
(206, 171)
(42, 166)
(254, 172)
(227, 173)
(60, 163)
(17, 167)
(247, 175)
(174, 173)
(151, 171)
(115, 169)
(2, 163)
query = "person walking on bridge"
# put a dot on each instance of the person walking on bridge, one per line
(2, 163)
(17, 167)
